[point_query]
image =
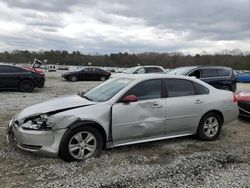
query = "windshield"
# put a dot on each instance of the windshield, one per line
(180, 71)
(107, 90)
(131, 70)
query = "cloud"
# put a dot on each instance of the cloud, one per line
(107, 26)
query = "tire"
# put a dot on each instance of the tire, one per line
(210, 126)
(227, 88)
(26, 86)
(102, 78)
(77, 138)
(73, 78)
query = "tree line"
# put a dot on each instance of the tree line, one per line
(238, 61)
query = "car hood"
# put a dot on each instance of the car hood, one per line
(55, 105)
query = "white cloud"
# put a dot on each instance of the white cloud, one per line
(136, 26)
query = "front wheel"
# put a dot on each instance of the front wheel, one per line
(27, 86)
(209, 127)
(81, 143)
(73, 78)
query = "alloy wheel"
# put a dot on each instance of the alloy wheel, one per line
(82, 145)
(211, 126)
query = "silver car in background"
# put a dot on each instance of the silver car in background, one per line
(126, 110)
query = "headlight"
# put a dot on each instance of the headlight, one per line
(40, 122)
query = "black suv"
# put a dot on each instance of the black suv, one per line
(15, 77)
(219, 77)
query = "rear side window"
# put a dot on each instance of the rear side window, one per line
(150, 89)
(98, 70)
(153, 69)
(179, 87)
(87, 70)
(223, 72)
(208, 73)
(200, 90)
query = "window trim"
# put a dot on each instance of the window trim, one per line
(201, 68)
(166, 90)
(196, 93)
(162, 91)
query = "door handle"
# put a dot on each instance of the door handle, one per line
(198, 101)
(156, 106)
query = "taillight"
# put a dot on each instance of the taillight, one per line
(235, 99)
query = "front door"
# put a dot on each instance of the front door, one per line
(142, 119)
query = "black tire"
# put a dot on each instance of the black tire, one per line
(64, 146)
(102, 78)
(73, 78)
(26, 86)
(202, 130)
(227, 88)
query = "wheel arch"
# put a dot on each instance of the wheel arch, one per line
(214, 111)
(29, 79)
(93, 124)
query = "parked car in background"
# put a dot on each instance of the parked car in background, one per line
(243, 98)
(125, 110)
(51, 68)
(145, 69)
(142, 70)
(24, 79)
(219, 77)
(243, 77)
(87, 73)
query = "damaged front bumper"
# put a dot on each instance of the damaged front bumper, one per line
(45, 142)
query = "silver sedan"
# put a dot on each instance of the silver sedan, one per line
(126, 110)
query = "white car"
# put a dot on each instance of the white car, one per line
(126, 110)
(147, 69)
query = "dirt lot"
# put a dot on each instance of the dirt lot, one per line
(182, 162)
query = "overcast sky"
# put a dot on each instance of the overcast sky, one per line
(109, 26)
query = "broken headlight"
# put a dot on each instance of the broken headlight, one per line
(40, 122)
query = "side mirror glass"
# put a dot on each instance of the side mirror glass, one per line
(129, 98)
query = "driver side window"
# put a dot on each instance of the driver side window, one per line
(150, 89)
(140, 71)
(196, 74)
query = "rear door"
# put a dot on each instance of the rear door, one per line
(210, 75)
(185, 104)
(142, 119)
(11, 76)
(85, 74)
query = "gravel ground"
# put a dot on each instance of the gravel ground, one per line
(182, 162)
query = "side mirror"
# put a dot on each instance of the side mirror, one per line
(129, 98)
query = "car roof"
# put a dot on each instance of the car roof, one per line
(205, 66)
(153, 75)
(142, 77)
(147, 66)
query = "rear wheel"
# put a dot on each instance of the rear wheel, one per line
(210, 126)
(227, 88)
(26, 86)
(81, 143)
(103, 78)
